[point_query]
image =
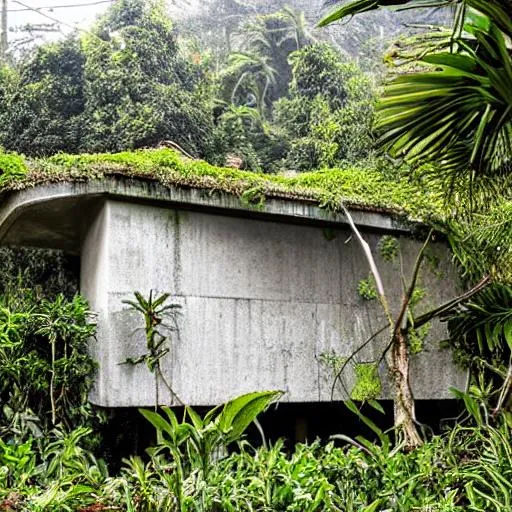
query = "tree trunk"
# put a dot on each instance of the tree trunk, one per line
(405, 417)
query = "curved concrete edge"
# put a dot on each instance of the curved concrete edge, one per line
(59, 207)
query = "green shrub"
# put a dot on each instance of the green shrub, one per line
(46, 369)
(12, 167)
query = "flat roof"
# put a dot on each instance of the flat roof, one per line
(55, 215)
(362, 186)
(47, 202)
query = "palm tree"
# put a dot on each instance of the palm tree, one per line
(265, 44)
(299, 29)
(456, 114)
(255, 69)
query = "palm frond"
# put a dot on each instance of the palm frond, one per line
(362, 6)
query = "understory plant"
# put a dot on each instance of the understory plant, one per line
(46, 371)
(195, 445)
(202, 462)
(157, 316)
(458, 471)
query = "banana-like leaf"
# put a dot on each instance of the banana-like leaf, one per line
(240, 412)
(159, 423)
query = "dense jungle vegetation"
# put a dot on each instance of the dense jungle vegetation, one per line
(278, 100)
(281, 112)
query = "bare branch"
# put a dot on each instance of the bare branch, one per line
(373, 267)
(443, 308)
(350, 357)
(412, 285)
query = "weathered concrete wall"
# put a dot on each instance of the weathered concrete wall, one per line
(263, 292)
(261, 302)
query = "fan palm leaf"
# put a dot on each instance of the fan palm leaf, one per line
(497, 10)
(457, 113)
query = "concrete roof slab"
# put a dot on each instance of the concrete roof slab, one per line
(54, 215)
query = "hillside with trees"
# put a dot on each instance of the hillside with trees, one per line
(110, 90)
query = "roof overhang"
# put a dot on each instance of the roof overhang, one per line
(56, 215)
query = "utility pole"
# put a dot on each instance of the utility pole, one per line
(4, 43)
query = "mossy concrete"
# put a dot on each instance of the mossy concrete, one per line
(361, 186)
(264, 291)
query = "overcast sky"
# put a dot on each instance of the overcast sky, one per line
(70, 13)
(26, 12)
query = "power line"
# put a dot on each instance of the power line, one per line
(51, 7)
(39, 10)
(51, 18)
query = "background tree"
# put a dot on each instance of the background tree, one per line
(122, 86)
(261, 59)
(43, 102)
(456, 113)
(328, 115)
(313, 126)
(130, 82)
(139, 90)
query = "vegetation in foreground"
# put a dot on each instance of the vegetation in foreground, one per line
(53, 458)
(467, 470)
(48, 440)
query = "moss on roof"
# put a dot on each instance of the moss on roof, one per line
(357, 187)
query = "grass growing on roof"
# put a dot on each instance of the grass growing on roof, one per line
(12, 168)
(355, 186)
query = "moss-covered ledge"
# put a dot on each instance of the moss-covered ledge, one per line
(357, 187)
(56, 215)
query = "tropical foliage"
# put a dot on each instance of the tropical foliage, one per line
(481, 336)
(125, 84)
(280, 101)
(467, 469)
(130, 82)
(46, 370)
(328, 115)
(456, 110)
(139, 89)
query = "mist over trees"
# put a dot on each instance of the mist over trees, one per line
(122, 85)
(275, 97)
(423, 143)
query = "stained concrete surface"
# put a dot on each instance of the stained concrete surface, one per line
(264, 294)
(260, 303)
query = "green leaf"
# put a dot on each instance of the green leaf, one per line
(351, 406)
(195, 418)
(172, 417)
(373, 507)
(158, 422)
(209, 416)
(160, 300)
(507, 332)
(376, 405)
(240, 412)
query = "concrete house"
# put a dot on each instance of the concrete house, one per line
(266, 278)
